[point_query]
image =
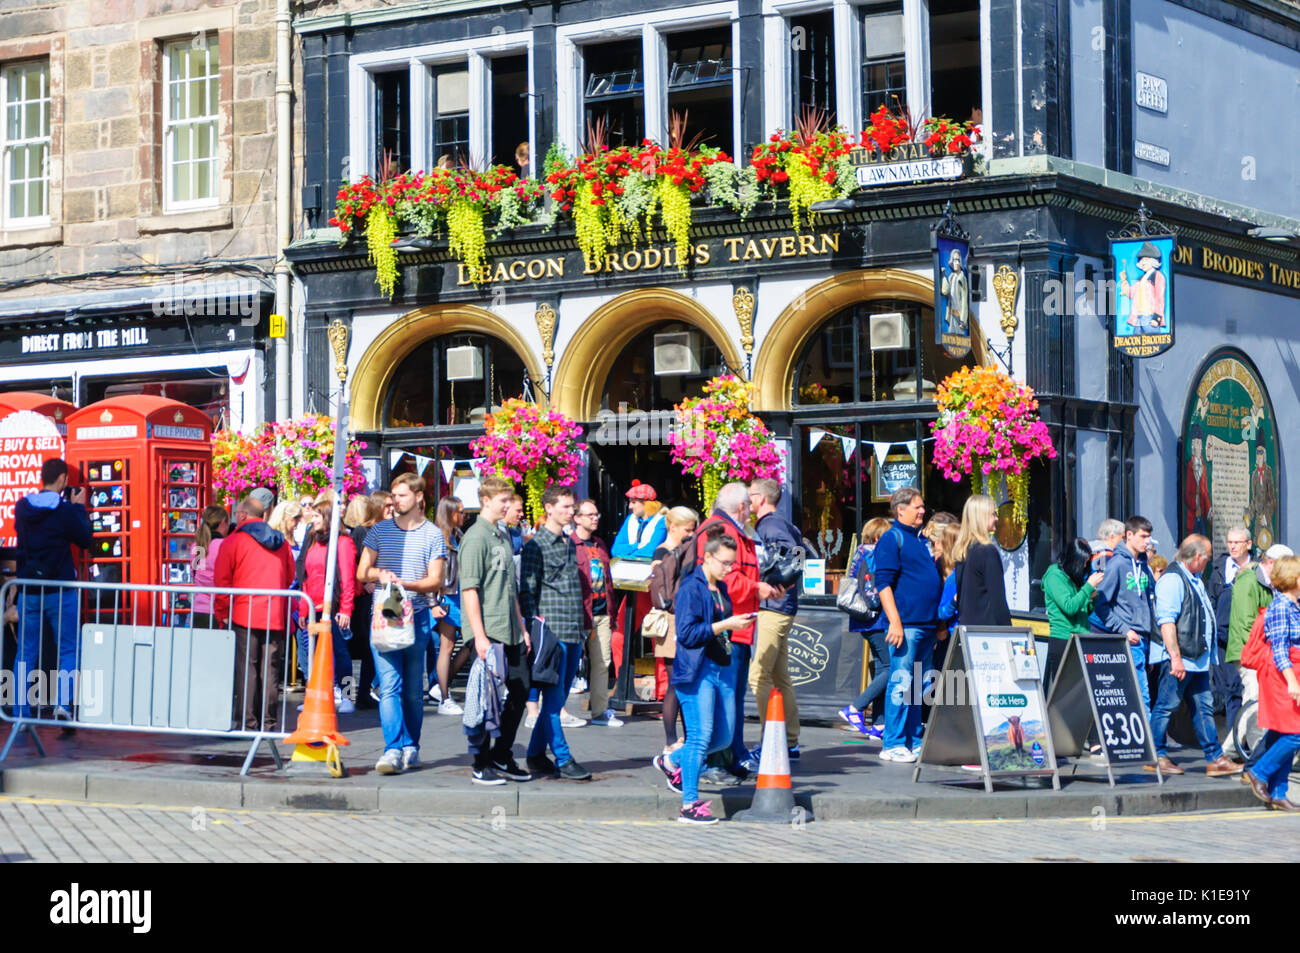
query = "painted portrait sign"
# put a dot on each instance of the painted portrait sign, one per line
(952, 300)
(1143, 313)
(1228, 471)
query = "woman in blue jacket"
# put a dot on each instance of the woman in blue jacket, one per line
(702, 673)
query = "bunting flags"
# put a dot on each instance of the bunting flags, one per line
(814, 438)
(881, 449)
(848, 444)
(911, 449)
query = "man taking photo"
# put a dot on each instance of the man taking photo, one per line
(47, 526)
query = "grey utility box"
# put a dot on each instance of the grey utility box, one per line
(157, 676)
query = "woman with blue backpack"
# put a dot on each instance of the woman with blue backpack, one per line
(872, 628)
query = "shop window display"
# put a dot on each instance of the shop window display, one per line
(423, 393)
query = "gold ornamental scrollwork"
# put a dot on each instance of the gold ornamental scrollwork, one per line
(1005, 285)
(546, 328)
(337, 332)
(743, 303)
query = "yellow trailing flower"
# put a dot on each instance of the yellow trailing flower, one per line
(675, 209)
(381, 229)
(466, 236)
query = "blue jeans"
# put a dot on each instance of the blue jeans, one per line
(400, 677)
(708, 707)
(1169, 698)
(1274, 765)
(58, 609)
(902, 704)
(740, 656)
(1139, 654)
(880, 653)
(342, 657)
(548, 731)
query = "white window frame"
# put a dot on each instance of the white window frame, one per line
(652, 28)
(477, 53)
(171, 127)
(7, 218)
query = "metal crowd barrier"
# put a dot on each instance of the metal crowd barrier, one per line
(129, 657)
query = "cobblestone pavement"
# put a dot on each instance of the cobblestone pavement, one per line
(43, 829)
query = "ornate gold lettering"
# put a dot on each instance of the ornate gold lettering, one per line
(555, 268)
(517, 264)
(830, 240)
(751, 250)
(702, 254)
(627, 260)
(787, 246)
(733, 245)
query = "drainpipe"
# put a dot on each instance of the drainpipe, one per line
(283, 223)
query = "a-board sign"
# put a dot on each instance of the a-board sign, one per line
(988, 707)
(1097, 687)
(27, 441)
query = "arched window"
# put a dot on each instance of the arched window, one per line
(661, 366)
(453, 380)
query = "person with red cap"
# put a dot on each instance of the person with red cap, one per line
(641, 533)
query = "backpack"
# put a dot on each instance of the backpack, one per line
(667, 576)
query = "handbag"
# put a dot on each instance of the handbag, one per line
(781, 566)
(392, 626)
(655, 624)
(857, 595)
(1256, 653)
(545, 669)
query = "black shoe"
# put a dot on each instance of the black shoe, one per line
(511, 770)
(720, 777)
(488, 775)
(572, 771)
(541, 766)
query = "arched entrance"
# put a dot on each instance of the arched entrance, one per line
(611, 379)
(424, 386)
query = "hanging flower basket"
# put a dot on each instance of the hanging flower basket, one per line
(718, 439)
(989, 430)
(293, 457)
(532, 446)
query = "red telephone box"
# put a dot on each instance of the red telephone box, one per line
(32, 430)
(147, 465)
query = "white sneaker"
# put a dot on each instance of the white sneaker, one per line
(389, 763)
(608, 720)
(570, 721)
(435, 694)
(448, 706)
(410, 757)
(342, 704)
(899, 754)
(579, 686)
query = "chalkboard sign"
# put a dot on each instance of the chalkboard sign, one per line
(898, 470)
(988, 707)
(1096, 688)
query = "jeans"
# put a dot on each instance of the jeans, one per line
(707, 707)
(902, 704)
(58, 609)
(876, 689)
(1274, 765)
(548, 731)
(486, 750)
(342, 657)
(1170, 694)
(400, 676)
(1139, 655)
(1226, 682)
(740, 655)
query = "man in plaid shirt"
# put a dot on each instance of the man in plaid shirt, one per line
(554, 590)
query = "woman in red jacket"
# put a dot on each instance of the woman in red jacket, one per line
(311, 577)
(1279, 689)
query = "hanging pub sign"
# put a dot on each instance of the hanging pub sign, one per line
(1142, 260)
(1228, 471)
(950, 244)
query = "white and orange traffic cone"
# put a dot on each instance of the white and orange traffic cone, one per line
(773, 795)
(317, 738)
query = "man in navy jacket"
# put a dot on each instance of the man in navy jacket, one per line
(909, 585)
(47, 526)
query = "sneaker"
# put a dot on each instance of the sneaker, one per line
(793, 752)
(390, 762)
(719, 777)
(697, 813)
(750, 764)
(579, 686)
(877, 732)
(607, 720)
(853, 718)
(435, 694)
(541, 766)
(674, 775)
(448, 706)
(572, 771)
(410, 757)
(570, 721)
(899, 754)
(342, 704)
(374, 694)
(511, 771)
(488, 775)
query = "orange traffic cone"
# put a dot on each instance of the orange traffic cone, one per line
(317, 736)
(773, 797)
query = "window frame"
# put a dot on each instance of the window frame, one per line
(422, 62)
(170, 124)
(8, 221)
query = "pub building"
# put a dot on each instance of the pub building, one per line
(834, 324)
(202, 343)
